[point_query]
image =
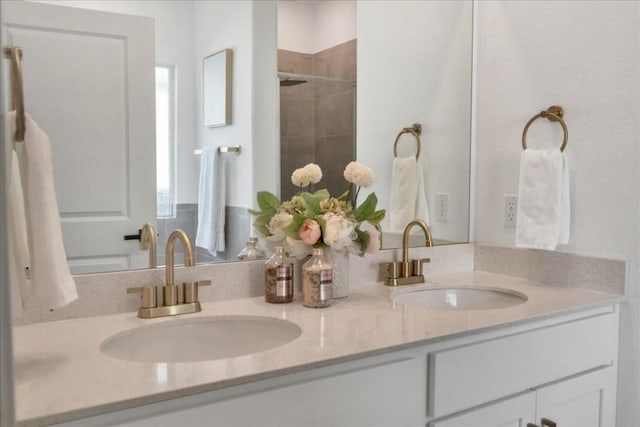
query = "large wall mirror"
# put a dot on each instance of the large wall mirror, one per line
(359, 71)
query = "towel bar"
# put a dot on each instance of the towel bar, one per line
(553, 114)
(231, 149)
(17, 94)
(416, 131)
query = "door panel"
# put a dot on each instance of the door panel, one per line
(587, 400)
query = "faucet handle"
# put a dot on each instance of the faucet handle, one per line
(392, 269)
(416, 266)
(190, 290)
(147, 295)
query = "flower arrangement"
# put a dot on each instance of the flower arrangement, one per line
(319, 220)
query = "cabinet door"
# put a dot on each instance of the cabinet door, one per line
(586, 400)
(513, 412)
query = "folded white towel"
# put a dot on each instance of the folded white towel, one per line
(543, 200)
(408, 196)
(52, 285)
(211, 201)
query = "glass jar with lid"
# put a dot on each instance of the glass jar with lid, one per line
(317, 280)
(278, 278)
(251, 251)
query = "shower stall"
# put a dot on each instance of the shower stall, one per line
(317, 116)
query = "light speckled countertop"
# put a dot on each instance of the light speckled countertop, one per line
(61, 374)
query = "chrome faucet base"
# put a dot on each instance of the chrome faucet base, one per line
(400, 281)
(169, 310)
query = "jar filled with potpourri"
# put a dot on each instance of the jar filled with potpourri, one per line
(278, 278)
(317, 280)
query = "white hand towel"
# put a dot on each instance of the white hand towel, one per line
(52, 284)
(19, 261)
(408, 197)
(211, 201)
(543, 200)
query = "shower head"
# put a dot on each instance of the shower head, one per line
(291, 82)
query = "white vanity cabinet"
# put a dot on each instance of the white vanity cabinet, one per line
(587, 400)
(565, 373)
(562, 368)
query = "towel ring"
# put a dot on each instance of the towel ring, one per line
(416, 131)
(553, 114)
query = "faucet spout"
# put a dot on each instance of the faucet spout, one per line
(188, 253)
(148, 243)
(405, 243)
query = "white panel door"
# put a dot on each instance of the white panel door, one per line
(89, 84)
(587, 400)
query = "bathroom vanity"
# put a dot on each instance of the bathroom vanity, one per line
(366, 360)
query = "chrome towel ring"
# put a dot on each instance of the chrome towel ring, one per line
(553, 114)
(416, 131)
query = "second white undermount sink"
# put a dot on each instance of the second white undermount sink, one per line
(200, 338)
(460, 298)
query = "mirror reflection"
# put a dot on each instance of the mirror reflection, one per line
(351, 76)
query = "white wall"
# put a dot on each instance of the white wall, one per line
(224, 24)
(266, 103)
(335, 23)
(307, 27)
(174, 46)
(419, 72)
(296, 26)
(584, 56)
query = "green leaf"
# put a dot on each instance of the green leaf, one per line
(363, 240)
(367, 208)
(293, 229)
(322, 194)
(254, 213)
(313, 204)
(261, 223)
(376, 217)
(268, 202)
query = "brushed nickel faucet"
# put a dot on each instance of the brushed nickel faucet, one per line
(148, 243)
(171, 304)
(408, 272)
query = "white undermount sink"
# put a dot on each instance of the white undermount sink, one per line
(460, 297)
(201, 338)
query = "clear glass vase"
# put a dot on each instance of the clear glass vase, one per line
(340, 260)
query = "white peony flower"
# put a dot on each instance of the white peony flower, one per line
(358, 174)
(310, 174)
(300, 178)
(339, 232)
(297, 248)
(278, 223)
(314, 173)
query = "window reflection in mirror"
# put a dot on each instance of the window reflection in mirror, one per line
(165, 140)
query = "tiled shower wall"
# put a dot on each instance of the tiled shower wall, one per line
(317, 119)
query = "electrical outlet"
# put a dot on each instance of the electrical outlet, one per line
(443, 207)
(510, 210)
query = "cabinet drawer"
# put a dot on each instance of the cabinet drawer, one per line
(470, 375)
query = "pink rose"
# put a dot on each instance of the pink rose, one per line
(310, 232)
(374, 241)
